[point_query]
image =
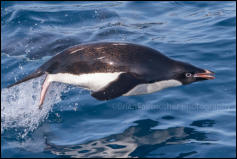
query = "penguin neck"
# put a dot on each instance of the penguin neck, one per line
(153, 87)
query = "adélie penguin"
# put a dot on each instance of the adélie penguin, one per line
(114, 69)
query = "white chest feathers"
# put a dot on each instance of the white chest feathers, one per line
(152, 87)
(96, 81)
(92, 81)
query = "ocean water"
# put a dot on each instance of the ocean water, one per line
(196, 120)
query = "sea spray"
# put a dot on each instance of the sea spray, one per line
(19, 109)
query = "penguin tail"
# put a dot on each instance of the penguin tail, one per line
(31, 76)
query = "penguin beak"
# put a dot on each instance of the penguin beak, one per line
(207, 75)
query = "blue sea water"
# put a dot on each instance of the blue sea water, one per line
(196, 120)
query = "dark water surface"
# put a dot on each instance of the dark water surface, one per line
(196, 120)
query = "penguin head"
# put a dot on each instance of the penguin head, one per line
(187, 73)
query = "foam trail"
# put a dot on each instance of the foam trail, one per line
(20, 105)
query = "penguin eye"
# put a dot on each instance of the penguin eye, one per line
(188, 74)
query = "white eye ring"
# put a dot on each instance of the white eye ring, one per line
(188, 74)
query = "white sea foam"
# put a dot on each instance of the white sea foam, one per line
(19, 105)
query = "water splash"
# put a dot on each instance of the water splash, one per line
(19, 108)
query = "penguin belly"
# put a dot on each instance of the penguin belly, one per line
(91, 81)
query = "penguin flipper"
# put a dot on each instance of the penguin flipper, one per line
(124, 83)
